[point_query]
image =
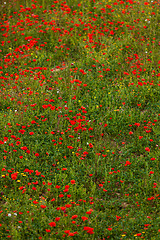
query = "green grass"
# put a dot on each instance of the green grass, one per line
(79, 120)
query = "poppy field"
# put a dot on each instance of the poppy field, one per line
(80, 119)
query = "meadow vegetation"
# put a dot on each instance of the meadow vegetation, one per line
(79, 119)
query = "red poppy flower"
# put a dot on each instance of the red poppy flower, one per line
(138, 234)
(52, 224)
(147, 149)
(14, 176)
(61, 195)
(74, 216)
(70, 147)
(43, 206)
(127, 163)
(90, 145)
(89, 230)
(140, 137)
(84, 218)
(118, 217)
(109, 229)
(73, 181)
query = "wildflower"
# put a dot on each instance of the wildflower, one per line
(14, 176)
(31, 133)
(147, 149)
(89, 212)
(138, 234)
(52, 224)
(90, 145)
(140, 137)
(61, 195)
(73, 181)
(84, 218)
(109, 229)
(89, 230)
(70, 147)
(118, 217)
(127, 163)
(43, 206)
